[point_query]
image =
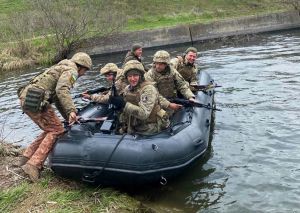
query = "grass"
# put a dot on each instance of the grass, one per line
(142, 15)
(52, 194)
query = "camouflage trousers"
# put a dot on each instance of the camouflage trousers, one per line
(39, 149)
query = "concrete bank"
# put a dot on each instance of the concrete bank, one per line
(198, 32)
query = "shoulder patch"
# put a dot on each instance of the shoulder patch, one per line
(144, 98)
(73, 78)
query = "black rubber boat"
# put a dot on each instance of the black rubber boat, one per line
(89, 153)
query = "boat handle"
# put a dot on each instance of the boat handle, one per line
(154, 147)
(199, 142)
(207, 123)
(163, 181)
(90, 178)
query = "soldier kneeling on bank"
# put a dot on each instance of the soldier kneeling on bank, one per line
(142, 113)
(51, 86)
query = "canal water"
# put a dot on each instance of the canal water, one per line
(252, 164)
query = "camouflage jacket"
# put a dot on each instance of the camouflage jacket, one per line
(57, 81)
(130, 56)
(186, 70)
(142, 111)
(168, 83)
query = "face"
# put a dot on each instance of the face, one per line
(133, 79)
(191, 57)
(138, 52)
(159, 67)
(109, 76)
(82, 71)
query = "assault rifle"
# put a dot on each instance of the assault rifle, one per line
(92, 91)
(205, 87)
(87, 120)
(188, 103)
(108, 125)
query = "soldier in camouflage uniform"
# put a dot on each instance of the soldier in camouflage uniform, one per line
(51, 86)
(142, 113)
(135, 54)
(168, 81)
(186, 66)
(110, 71)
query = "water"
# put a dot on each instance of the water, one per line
(252, 163)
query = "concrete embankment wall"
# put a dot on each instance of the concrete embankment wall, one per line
(198, 32)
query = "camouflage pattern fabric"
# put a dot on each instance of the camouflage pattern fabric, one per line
(187, 71)
(139, 117)
(39, 149)
(174, 82)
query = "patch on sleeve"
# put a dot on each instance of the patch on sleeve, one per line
(144, 98)
(73, 78)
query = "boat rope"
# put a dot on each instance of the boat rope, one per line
(111, 154)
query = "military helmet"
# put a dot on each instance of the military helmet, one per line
(133, 65)
(110, 67)
(82, 59)
(162, 56)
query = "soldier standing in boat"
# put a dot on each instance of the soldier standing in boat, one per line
(111, 72)
(142, 112)
(186, 66)
(168, 81)
(135, 54)
(51, 86)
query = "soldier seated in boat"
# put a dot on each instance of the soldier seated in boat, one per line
(187, 67)
(111, 72)
(168, 81)
(142, 113)
(135, 54)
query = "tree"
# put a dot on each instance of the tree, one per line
(66, 23)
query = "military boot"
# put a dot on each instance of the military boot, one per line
(32, 171)
(23, 160)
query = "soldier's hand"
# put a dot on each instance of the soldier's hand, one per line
(72, 118)
(192, 99)
(174, 106)
(86, 95)
(117, 101)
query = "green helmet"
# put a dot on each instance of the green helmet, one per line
(162, 56)
(110, 67)
(133, 65)
(82, 59)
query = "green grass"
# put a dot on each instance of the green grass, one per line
(12, 197)
(52, 194)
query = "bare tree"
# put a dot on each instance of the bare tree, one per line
(66, 23)
(295, 4)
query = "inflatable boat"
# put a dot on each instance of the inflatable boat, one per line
(91, 152)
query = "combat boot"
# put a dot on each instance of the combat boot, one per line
(32, 171)
(23, 160)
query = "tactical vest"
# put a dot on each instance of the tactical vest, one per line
(185, 70)
(135, 97)
(166, 83)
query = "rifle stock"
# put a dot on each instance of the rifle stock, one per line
(205, 87)
(188, 103)
(92, 91)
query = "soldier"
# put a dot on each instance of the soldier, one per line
(142, 112)
(51, 86)
(186, 66)
(168, 80)
(135, 54)
(110, 71)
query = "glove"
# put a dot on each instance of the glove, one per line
(117, 101)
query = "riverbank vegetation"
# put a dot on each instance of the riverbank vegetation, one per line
(55, 194)
(40, 32)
